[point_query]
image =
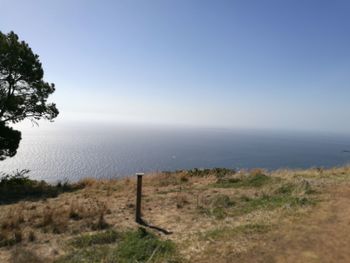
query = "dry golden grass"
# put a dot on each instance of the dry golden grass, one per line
(22, 255)
(214, 215)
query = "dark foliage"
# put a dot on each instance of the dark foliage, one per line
(218, 172)
(23, 92)
(17, 186)
(9, 141)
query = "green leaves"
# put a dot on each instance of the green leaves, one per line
(9, 141)
(23, 92)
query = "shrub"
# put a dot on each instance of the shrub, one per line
(18, 186)
(218, 172)
(223, 172)
(198, 172)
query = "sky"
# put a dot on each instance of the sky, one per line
(268, 64)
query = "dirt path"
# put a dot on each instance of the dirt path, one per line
(324, 236)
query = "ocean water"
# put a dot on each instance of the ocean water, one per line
(104, 151)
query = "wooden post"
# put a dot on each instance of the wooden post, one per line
(138, 198)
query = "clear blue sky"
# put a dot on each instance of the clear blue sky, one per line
(282, 64)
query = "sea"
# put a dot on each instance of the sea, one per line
(78, 150)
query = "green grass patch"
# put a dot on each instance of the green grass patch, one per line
(219, 206)
(216, 212)
(246, 181)
(141, 245)
(267, 202)
(130, 246)
(223, 201)
(106, 237)
(301, 187)
(247, 205)
(89, 255)
(286, 195)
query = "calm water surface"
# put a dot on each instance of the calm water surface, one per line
(77, 151)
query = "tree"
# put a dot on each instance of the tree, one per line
(23, 92)
(9, 141)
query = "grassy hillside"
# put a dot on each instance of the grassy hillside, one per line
(214, 215)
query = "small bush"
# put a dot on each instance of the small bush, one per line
(198, 172)
(18, 186)
(184, 179)
(223, 172)
(218, 172)
(17, 178)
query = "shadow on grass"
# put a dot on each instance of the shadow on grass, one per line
(142, 222)
(17, 187)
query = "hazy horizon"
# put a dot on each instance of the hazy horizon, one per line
(68, 124)
(233, 64)
(77, 150)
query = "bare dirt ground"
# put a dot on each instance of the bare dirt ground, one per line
(322, 236)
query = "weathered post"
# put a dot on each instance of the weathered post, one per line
(138, 198)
